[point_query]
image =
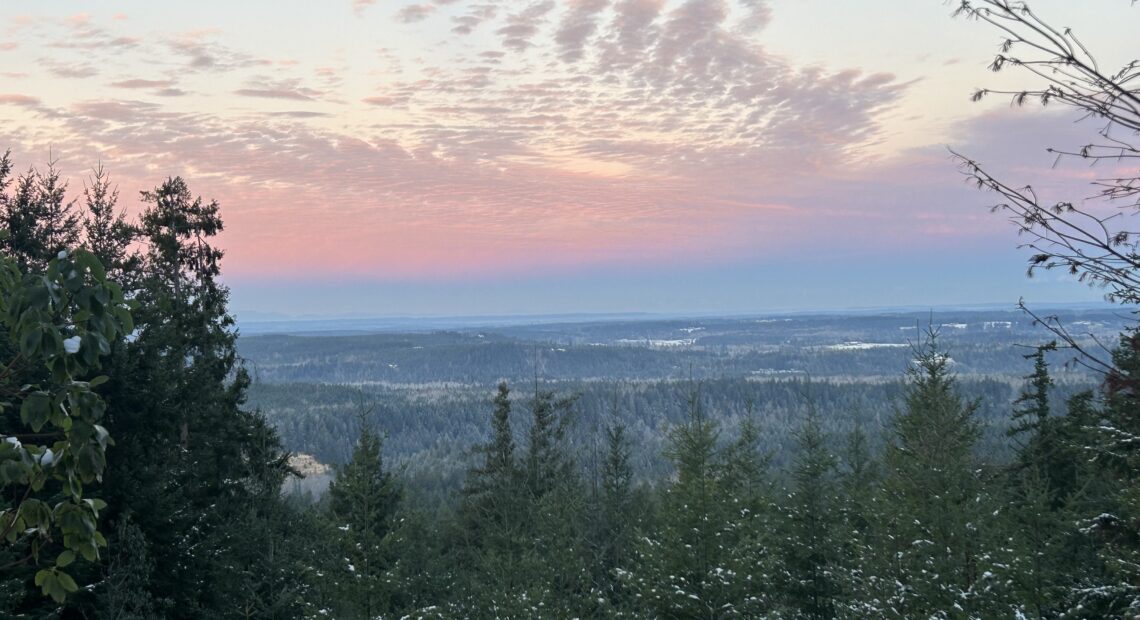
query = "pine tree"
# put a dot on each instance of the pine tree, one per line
(812, 547)
(708, 558)
(59, 225)
(192, 465)
(616, 498)
(1107, 435)
(491, 533)
(491, 493)
(362, 502)
(933, 487)
(547, 464)
(1031, 408)
(106, 231)
(38, 218)
(864, 578)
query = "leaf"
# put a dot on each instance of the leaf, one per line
(88, 261)
(35, 410)
(65, 558)
(67, 582)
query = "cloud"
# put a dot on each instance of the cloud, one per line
(278, 89)
(475, 16)
(521, 27)
(380, 100)
(202, 51)
(616, 130)
(273, 93)
(578, 25)
(82, 33)
(415, 12)
(19, 100)
(300, 114)
(65, 70)
(358, 6)
(140, 83)
(757, 15)
(8, 46)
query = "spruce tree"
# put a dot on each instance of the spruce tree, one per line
(491, 532)
(363, 500)
(708, 557)
(933, 486)
(865, 579)
(616, 499)
(192, 464)
(106, 231)
(812, 546)
(39, 220)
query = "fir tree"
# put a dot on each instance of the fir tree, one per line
(107, 233)
(811, 554)
(192, 465)
(362, 501)
(931, 481)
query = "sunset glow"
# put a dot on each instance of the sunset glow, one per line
(365, 144)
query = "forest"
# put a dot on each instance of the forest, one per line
(968, 464)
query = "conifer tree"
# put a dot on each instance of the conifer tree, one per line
(706, 560)
(490, 495)
(812, 547)
(492, 536)
(932, 483)
(363, 500)
(864, 578)
(106, 231)
(193, 464)
(547, 464)
(1108, 435)
(1031, 408)
(39, 220)
(616, 498)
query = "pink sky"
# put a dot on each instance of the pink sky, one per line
(447, 140)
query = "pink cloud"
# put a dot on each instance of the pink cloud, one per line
(415, 12)
(141, 83)
(358, 6)
(69, 70)
(273, 93)
(19, 100)
(521, 27)
(577, 27)
(586, 132)
(382, 101)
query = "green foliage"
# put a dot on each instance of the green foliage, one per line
(363, 500)
(709, 558)
(39, 220)
(813, 545)
(60, 323)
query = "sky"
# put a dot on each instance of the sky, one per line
(455, 157)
